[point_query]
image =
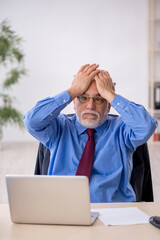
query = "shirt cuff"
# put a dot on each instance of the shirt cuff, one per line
(63, 98)
(119, 103)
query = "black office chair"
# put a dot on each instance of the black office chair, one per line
(141, 179)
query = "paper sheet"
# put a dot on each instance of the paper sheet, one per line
(122, 216)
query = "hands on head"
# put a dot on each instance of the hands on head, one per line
(86, 75)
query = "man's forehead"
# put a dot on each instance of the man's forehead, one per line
(92, 90)
(95, 95)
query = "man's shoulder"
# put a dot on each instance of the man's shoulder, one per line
(66, 118)
(114, 119)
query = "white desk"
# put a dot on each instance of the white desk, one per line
(98, 231)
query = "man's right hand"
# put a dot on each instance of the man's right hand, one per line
(82, 80)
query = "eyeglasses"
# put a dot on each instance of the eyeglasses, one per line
(97, 100)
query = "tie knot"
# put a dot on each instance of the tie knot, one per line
(90, 132)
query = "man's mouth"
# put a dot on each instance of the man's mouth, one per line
(90, 115)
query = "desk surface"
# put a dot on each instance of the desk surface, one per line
(98, 230)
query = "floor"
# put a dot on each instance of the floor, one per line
(20, 158)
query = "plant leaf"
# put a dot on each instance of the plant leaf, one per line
(13, 77)
(11, 115)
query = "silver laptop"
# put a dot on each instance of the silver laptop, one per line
(49, 200)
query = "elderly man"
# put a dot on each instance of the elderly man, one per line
(92, 143)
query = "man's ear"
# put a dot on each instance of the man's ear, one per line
(74, 103)
(109, 107)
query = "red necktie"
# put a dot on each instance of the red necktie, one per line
(86, 161)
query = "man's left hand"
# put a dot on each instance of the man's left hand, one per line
(105, 86)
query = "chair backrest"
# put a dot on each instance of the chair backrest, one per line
(141, 179)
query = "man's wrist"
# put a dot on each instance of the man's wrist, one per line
(71, 93)
(109, 96)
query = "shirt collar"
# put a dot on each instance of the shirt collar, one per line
(79, 127)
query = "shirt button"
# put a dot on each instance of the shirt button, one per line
(64, 100)
(51, 114)
(115, 107)
(118, 103)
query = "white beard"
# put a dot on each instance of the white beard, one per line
(91, 123)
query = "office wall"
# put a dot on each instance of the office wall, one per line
(61, 35)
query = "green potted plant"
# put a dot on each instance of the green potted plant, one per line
(12, 69)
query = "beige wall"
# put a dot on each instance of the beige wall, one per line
(62, 35)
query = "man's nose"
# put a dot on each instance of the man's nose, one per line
(91, 104)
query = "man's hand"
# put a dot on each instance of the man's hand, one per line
(83, 79)
(105, 85)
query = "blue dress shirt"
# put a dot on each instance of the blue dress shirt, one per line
(115, 141)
